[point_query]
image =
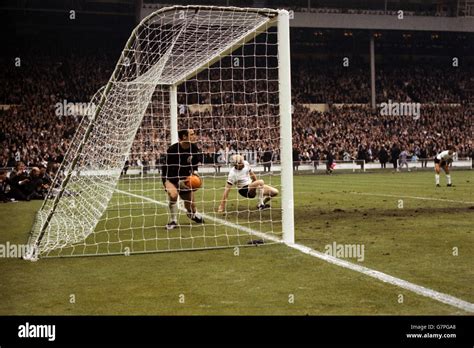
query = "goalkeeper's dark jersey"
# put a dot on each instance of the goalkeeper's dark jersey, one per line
(180, 163)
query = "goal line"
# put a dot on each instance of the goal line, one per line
(248, 230)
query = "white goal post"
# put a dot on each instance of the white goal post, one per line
(223, 71)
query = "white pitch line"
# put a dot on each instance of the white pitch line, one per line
(386, 278)
(221, 221)
(411, 197)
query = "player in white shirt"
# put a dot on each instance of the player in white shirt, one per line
(242, 176)
(442, 160)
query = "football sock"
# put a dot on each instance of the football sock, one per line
(448, 177)
(437, 179)
(260, 195)
(173, 211)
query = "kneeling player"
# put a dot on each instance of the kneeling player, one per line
(249, 186)
(442, 160)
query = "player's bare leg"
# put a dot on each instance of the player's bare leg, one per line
(448, 176)
(172, 192)
(437, 170)
(264, 193)
(258, 186)
(269, 192)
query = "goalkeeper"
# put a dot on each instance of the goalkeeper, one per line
(182, 160)
(249, 186)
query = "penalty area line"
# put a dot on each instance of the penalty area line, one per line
(409, 197)
(386, 278)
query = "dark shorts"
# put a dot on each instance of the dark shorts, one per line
(440, 162)
(175, 182)
(245, 192)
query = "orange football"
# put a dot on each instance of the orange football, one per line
(194, 182)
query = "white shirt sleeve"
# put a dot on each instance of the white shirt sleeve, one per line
(231, 177)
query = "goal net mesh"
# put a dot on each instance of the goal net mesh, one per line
(108, 196)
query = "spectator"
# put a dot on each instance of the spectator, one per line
(125, 167)
(361, 156)
(18, 182)
(424, 157)
(394, 154)
(33, 189)
(3, 186)
(383, 157)
(267, 160)
(329, 161)
(403, 158)
(315, 158)
(296, 158)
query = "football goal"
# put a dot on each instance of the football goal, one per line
(223, 72)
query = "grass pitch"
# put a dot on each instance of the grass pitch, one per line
(409, 229)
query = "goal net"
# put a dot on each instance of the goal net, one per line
(221, 71)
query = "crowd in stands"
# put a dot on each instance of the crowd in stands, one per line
(32, 129)
(439, 9)
(369, 136)
(34, 135)
(366, 11)
(424, 81)
(381, 8)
